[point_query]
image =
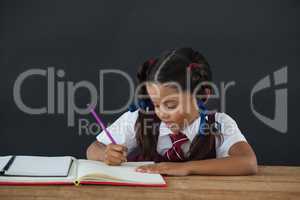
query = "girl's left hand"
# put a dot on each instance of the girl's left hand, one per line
(167, 168)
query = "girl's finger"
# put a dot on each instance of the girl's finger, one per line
(114, 161)
(145, 168)
(117, 155)
(118, 147)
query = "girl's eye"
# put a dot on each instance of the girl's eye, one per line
(171, 106)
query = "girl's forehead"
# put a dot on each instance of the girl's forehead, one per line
(159, 91)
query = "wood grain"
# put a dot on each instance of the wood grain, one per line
(271, 182)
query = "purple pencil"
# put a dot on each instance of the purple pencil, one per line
(99, 121)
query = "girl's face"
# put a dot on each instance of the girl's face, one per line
(175, 108)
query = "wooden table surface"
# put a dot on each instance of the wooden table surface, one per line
(271, 182)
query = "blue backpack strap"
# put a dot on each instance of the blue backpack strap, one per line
(203, 124)
(203, 118)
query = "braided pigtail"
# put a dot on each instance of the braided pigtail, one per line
(203, 144)
(147, 124)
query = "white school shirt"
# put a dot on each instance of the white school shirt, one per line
(122, 130)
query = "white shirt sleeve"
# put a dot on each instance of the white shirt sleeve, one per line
(122, 131)
(231, 134)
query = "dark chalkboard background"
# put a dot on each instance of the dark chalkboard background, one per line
(244, 41)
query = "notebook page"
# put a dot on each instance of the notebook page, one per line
(3, 161)
(88, 169)
(40, 166)
(42, 179)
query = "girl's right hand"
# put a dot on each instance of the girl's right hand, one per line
(115, 154)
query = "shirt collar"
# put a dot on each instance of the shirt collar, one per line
(190, 131)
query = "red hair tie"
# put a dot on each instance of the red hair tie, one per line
(151, 61)
(192, 66)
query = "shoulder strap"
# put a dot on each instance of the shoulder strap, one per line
(211, 118)
(215, 126)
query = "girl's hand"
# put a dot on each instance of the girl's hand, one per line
(167, 168)
(115, 154)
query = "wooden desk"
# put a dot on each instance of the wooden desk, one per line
(270, 183)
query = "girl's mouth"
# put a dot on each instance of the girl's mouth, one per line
(171, 125)
(168, 124)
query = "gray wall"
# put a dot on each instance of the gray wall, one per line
(244, 41)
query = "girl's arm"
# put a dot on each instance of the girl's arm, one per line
(96, 151)
(241, 161)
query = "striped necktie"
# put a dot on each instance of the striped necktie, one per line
(175, 153)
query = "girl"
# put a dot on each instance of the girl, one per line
(172, 126)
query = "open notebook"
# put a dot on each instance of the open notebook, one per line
(41, 170)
